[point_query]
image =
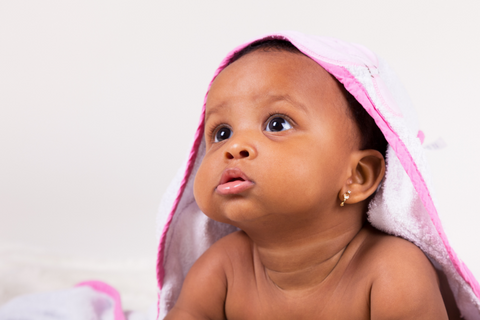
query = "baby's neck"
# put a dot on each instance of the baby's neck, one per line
(304, 260)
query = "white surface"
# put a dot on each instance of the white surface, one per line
(23, 270)
(99, 101)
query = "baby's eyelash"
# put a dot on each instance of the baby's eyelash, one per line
(213, 128)
(282, 115)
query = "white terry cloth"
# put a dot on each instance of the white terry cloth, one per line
(94, 300)
(403, 206)
(77, 303)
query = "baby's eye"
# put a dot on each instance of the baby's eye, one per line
(278, 124)
(223, 134)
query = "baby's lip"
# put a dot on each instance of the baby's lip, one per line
(232, 174)
(233, 181)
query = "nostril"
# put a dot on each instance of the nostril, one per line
(228, 155)
(244, 154)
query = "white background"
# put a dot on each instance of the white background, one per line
(99, 101)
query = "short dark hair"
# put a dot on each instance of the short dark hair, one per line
(370, 135)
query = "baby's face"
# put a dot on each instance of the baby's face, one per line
(278, 139)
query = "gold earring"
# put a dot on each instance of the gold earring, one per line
(346, 195)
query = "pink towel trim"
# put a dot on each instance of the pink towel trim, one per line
(110, 291)
(421, 136)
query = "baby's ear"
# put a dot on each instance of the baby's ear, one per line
(366, 172)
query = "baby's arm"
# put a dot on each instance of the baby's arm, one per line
(204, 289)
(406, 286)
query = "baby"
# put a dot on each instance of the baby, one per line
(292, 160)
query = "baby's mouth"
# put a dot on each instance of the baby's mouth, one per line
(233, 181)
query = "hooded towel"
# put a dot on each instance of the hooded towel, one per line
(404, 205)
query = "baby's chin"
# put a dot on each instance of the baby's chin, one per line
(233, 215)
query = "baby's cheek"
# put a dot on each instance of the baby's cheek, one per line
(306, 184)
(199, 190)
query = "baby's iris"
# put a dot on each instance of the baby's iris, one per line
(278, 124)
(223, 134)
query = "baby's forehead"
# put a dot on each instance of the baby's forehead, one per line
(275, 73)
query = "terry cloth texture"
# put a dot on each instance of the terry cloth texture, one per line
(90, 300)
(403, 206)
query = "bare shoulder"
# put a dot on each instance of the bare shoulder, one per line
(204, 289)
(231, 249)
(385, 250)
(239, 239)
(404, 283)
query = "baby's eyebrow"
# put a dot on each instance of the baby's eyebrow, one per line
(213, 110)
(269, 98)
(289, 99)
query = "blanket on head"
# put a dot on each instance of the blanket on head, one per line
(403, 206)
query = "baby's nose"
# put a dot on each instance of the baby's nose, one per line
(240, 151)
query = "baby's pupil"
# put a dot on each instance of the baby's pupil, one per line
(223, 134)
(276, 124)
